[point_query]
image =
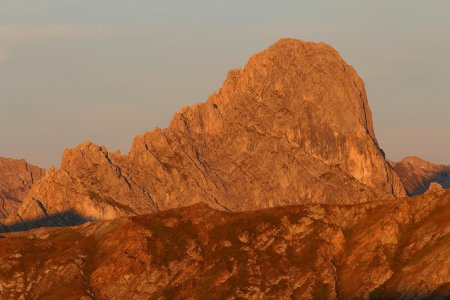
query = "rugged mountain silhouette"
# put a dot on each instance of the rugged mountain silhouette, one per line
(195, 207)
(397, 249)
(293, 126)
(16, 179)
(417, 175)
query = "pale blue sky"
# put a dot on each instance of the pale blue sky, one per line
(106, 71)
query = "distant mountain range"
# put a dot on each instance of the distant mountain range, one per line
(417, 174)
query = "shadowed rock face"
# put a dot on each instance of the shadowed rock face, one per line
(294, 126)
(417, 175)
(16, 179)
(382, 249)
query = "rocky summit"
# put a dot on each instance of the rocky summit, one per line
(16, 179)
(418, 175)
(396, 249)
(292, 127)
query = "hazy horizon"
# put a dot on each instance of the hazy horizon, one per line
(107, 71)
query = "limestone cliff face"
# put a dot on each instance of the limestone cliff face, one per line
(294, 126)
(303, 93)
(397, 249)
(16, 179)
(417, 175)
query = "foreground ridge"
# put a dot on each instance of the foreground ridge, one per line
(383, 250)
(294, 126)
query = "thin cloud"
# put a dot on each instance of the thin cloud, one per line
(38, 32)
(12, 37)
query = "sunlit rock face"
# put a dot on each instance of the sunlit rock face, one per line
(16, 179)
(294, 126)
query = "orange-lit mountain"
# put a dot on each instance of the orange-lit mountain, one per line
(395, 249)
(274, 188)
(16, 179)
(417, 174)
(294, 126)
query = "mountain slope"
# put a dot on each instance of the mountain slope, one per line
(397, 249)
(417, 174)
(16, 179)
(294, 126)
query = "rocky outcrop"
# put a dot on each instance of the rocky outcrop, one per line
(397, 249)
(16, 179)
(434, 187)
(417, 175)
(89, 186)
(294, 126)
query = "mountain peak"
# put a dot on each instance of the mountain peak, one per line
(293, 126)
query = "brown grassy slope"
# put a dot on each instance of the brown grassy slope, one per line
(384, 249)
